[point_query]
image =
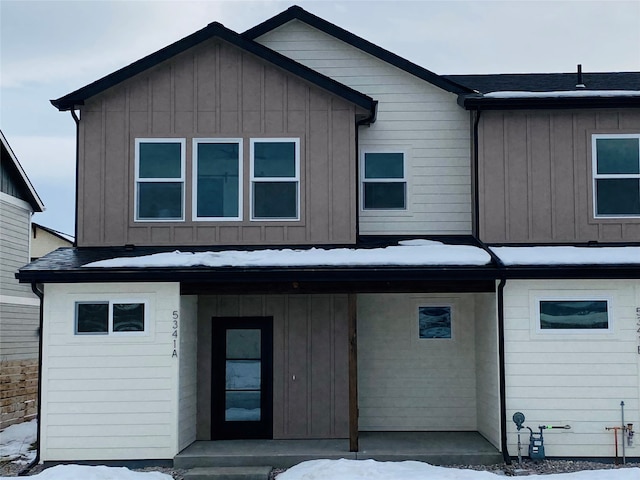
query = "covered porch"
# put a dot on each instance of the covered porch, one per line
(437, 448)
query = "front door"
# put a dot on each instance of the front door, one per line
(241, 386)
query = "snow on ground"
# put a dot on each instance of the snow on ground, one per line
(16, 440)
(372, 470)
(409, 252)
(85, 472)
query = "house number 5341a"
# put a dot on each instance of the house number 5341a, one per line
(174, 333)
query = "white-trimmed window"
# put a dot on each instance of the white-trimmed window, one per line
(159, 170)
(217, 179)
(573, 315)
(434, 321)
(616, 175)
(106, 318)
(384, 181)
(275, 178)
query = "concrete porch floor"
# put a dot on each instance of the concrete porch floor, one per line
(438, 448)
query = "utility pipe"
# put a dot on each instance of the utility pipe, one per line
(624, 429)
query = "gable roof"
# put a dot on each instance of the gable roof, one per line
(215, 29)
(297, 13)
(551, 90)
(19, 176)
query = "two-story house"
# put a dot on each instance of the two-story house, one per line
(19, 306)
(282, 234)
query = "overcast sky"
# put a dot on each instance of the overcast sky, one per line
(50, 48)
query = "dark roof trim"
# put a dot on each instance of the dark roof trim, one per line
(215, 29)
(479, 102)
(62, 236)
(297, 13)
(30, 192)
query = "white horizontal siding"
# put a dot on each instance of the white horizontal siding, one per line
(14, 248)
(408, 383)
(18, 331)
(109, 397)
(572, 379)
(413, 116)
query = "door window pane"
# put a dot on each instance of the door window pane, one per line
(242, 407)
(128, 317)
(243, 343)
(92, 317)
(243, 375)
(573, 315)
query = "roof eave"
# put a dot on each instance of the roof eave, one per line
(78, 97)
(477, 102)
(34, 199)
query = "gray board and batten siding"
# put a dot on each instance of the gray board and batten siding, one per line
(310, 361)
(216, 90)
(535, 176)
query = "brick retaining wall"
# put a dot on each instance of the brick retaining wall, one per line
(18, 391)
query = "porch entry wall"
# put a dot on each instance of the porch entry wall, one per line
(310, 361)
(406, 382)
(563, 375)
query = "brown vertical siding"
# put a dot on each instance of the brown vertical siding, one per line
(216, 91)
(310, 343)
(535, 180)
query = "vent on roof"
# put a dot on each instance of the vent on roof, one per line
(580, 83)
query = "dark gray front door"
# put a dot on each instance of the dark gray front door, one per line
(242, 399)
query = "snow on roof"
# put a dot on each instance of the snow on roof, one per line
(406, 253)
(564, 94)
(562, 255)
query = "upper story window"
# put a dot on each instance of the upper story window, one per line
(616, 175)
(159, 170)
(275, 179)
(217, 179)
(384, 181)
(104, 318)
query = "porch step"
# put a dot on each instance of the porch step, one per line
(228, 473)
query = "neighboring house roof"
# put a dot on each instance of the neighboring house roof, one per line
(18, 176)
(62, 236)
(551, 90)
(215, 29)
(297, 13)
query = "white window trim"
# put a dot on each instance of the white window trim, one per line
(598, 176)
(295, 179)
(436, 305)
(580, 296)
(110, 331)
(183, 144)
(194, 199)
(404, 179)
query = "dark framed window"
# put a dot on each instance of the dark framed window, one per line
(434, 321)
(275, 179)
(616, 175)
(217, 179)
(159, 171)
(384, 181)
(105, 318)
(574, 315)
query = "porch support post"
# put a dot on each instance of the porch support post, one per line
(353, 373)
